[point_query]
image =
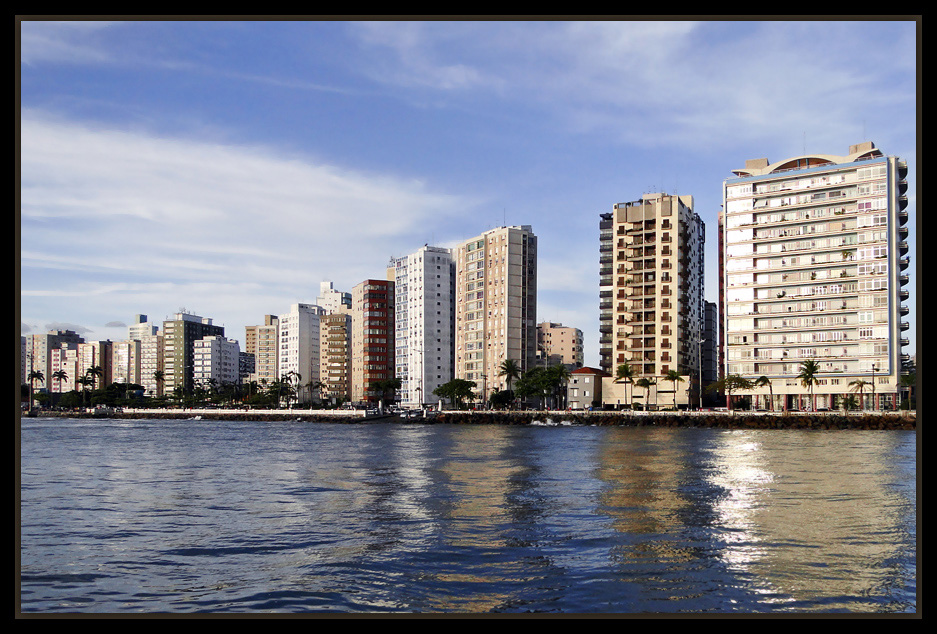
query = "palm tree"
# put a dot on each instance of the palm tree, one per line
(94, 372)
(35, 375)
(859, 386)
(673, 376)
(729, 384)
(559, 376)
(646, 384)
(624, 373)
(158, 376)
(84, 382)
(763, 381)
(510, 371)
(808, 378)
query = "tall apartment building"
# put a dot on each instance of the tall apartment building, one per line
(335, 356)
(263, 342)
(141, 327)
(372, 337)
(216, 362)
(814, 263)
(126, 361)
(64, 358)
(38, 353)
(557, 343)
(424, 284)
(332, 300)
(179, 336)
(151, 363)
(651, 287)
(298, 350)
(495, 305)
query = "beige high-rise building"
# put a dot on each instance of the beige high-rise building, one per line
(262, 341)
(557, 343)
(813, 270)
(651, 292)
(495, 305)
(335, 356)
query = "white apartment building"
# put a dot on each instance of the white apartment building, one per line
(151, 362)
(424, 283)
(216, 361)
(126, 361)
(332, 300)
(495, 305)
(814, 254)
(141, 327)
(298, 350)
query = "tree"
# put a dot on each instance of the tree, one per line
(385, 386)
(808, 378)
(859, 386)
(35, 375)
(557, 376)
(84, 382)
(728, 384)
(456, 390)
(510, 371)
(673, 376)
(646, 384)
(624, 373)
(94, 372)
(763, 381)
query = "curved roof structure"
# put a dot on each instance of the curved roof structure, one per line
(761, 167)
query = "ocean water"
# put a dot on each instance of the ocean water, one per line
(166, 516)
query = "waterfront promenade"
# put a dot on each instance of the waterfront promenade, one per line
(716, 419)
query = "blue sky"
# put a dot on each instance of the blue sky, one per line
(228, 167)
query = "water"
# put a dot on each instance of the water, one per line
(122, 516)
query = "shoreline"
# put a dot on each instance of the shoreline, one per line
(724, 420)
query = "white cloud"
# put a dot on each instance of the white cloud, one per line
(133, 222)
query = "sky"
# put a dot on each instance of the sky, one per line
(226, 168)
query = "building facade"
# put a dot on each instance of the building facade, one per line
(298, 350)
(263, 342)
(424, 316)
(559, 344)
(495, 306)
(372, 337)
(335, 356)
(651, 307)
(815, 254)
(179, 336)
(216, 362)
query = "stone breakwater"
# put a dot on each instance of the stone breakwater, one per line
(725, 420)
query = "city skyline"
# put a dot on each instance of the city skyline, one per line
(230, 167)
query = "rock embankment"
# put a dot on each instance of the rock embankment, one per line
(724, 420)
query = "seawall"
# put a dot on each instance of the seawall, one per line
(726, 420)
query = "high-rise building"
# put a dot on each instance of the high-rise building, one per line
(424, 283)
(179, 336)
(651, 289)
(38, 354)
(495, 306)
(298, 352)
(335, 356)
(151, 364)
(216, 362)
(561, 344)
(140, 328)
(263, 342)
(332, 300)
(126, 361)
(372, 337)
(814, 263)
